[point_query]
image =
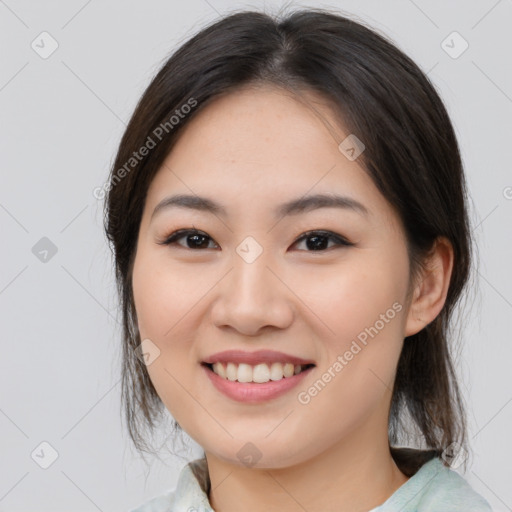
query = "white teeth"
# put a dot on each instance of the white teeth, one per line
(220, 370)
(244, 373)
(259, 373)
(276, 371)
(288, 369)
(231, 371)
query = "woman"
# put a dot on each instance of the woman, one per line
(288, 215)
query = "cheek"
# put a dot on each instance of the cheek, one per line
(355, 378)
(362, 306)
(367, 290)
(162, 295)
(163, 301)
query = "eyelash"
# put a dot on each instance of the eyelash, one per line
(181, 233)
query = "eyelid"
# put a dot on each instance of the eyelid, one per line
(328, 234)
(177, 234)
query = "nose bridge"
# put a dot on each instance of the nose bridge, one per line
(251, 274)
(252, 296)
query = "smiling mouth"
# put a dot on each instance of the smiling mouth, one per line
(259, 373)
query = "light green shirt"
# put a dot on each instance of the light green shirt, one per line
(433, 488)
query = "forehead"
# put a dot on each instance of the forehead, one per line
(264, 122)
(261, 146)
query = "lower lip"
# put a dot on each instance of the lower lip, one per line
(252, 391)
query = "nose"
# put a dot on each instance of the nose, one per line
(253, 297)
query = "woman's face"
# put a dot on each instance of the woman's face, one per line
(250, 281)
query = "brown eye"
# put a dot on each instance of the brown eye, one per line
(318, 240)
(194, 239)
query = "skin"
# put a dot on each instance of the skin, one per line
(251, 151)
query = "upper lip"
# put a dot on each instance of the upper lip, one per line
(254, 358)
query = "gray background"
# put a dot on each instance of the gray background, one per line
(61, 119)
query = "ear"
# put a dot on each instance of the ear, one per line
(430, 293)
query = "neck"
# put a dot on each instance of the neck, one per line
(354, 475)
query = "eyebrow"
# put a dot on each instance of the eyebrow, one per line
(293, 207)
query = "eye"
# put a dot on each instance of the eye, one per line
(315, 240)
(196, 238)
(319, 240)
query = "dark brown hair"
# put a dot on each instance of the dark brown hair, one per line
(411, 154)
